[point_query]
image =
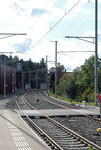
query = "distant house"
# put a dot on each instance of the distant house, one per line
(9, 81)
(11, 78)
(62, 74)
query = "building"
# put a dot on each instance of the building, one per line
(62, 74)
(7, 79)
(11, 79)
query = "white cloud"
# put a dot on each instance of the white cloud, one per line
(17, 16)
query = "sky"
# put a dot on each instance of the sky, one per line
(46, 21)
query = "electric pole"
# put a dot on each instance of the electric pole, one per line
(55, 68)
(47, 72)
(96, 50)
(36, 80)
(96, 47)
(29, 78)
(7, 35)
(5, 77)
(22, 81)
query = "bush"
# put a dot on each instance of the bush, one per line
(87, 95)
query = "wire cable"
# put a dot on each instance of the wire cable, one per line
(56, 24)
(7, 36)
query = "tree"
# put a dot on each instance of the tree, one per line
(16, 58)
(85, 78)
(71, 87)
(81, 83)
(60, 68)
(37, 72)
(42, 63)
(67, 86)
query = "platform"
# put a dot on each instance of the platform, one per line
(61, 112)
(16, 135)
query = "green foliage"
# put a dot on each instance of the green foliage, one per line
(60, 68)
(81, 83)
(85, 77)
(42, 64)
(87, 95)
(61, 88)
(32, 69)
(16, 58)
(58, 97)
(37, 72)
(67, 86)
(89, 148)
(71, 87)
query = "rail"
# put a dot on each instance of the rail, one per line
(49, 140)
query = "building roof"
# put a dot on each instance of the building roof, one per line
(62, 74)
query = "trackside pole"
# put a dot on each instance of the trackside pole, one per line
(100, 108)
(99, 99)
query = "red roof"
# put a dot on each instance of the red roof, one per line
(62, 74)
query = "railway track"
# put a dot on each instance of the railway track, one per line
(93, 119)
(41, 103)
(46, 102)
(63, 104)
(23, 103)
(83, 126)
(57, 136)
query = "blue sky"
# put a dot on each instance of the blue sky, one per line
(36, 18)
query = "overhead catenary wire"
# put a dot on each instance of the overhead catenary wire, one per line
(56, 24)
(79, 50)
(7, 35)
(74, 51)
(39, 13)
(74, 21)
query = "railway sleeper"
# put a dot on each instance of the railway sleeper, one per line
(56, 131)
(70, 142)
(72, 145)
(79, 148)
(63, 135)
(65, 139)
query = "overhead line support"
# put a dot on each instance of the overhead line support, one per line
(96, 48)
(55, 67)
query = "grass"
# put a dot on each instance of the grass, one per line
(73, 101)
(89, 148)
(59, 97)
